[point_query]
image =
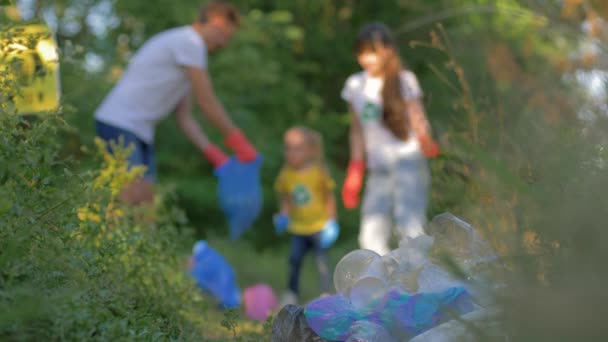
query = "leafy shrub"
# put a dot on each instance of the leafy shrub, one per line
(74, 262)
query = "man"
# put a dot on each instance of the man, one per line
(165, 76)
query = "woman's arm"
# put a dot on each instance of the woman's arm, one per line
(417, 116)
(422, 128)
(356, 167)
(357, 142)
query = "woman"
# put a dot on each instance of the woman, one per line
(390, 133)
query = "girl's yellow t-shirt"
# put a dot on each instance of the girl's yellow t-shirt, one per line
(308, 193)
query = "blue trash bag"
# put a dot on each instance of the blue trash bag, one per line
(329, 234)
(214, 275)
(240, 194)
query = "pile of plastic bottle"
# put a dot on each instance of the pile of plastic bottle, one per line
(400, 295)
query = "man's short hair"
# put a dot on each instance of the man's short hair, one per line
(219, 8)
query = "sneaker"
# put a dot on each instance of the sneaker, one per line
(289, 298)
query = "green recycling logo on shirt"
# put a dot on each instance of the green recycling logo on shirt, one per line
(301, 195)
(370, 112)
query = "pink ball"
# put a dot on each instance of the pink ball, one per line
(259, 301)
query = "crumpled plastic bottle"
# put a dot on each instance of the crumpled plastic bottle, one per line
(355, 266)
(366, 331)
(214, 275)
(460, 241)
(290, 326)
(240, 194)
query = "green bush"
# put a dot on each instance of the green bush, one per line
(74, 263)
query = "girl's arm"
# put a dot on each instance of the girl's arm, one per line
(284, 204)
(357, 144)
(331, 205)
(281, 220)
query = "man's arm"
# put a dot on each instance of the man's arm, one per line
(192, 130)
(207, 101)
(211, 107)
(188, 125)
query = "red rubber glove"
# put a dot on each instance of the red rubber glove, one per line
(215, 155)
(353, 183)
(429, 147)
(239, 144)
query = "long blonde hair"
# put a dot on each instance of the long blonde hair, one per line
(315, 139)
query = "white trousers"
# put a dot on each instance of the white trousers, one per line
(395, 201)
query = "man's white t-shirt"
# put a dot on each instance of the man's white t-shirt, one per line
(154, 82)
(363, 93)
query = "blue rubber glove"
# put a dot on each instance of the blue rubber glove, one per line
(329, 234)
(281, 223)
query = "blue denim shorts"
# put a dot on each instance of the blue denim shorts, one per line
(143, 154)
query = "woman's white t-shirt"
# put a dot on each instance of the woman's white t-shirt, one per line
(363, 93)
(154, 82)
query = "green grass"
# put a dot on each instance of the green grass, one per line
(252, 267)
(270, 266)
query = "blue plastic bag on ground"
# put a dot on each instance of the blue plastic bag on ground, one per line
(240, 194)
(331, 317)
(401, 314)
(214, 275)
(409, 315)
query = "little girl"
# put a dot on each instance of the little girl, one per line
(390, 132)
(307, 206)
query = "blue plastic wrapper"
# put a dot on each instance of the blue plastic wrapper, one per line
(214, 275)
(403, 315)
(331, 317)
(240, 194)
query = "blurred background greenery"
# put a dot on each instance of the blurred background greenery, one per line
(515, 91)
